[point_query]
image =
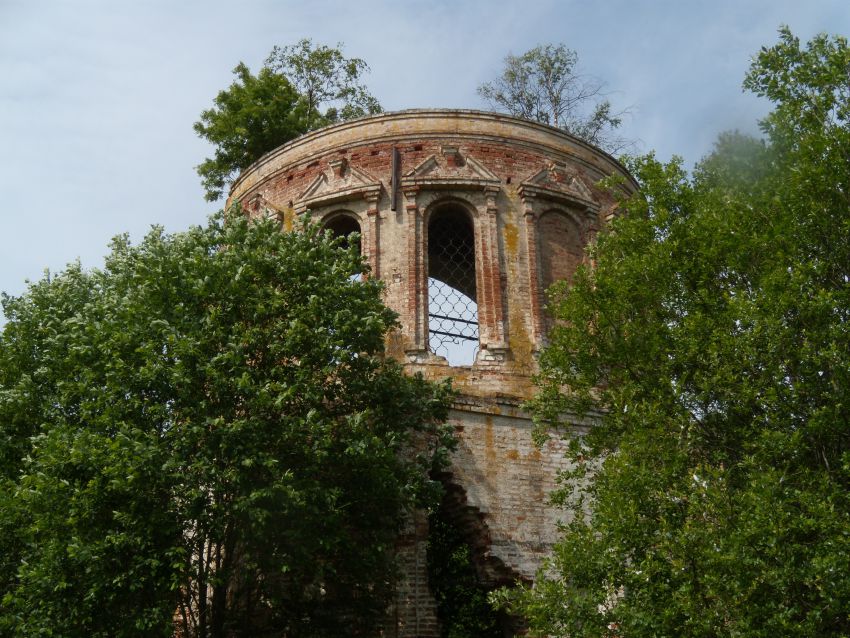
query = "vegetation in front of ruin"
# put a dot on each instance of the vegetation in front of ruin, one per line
(715, 330)
(204, 437)
(462, 606)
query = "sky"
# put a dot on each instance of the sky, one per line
(98, 97)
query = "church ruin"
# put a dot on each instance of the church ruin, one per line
(468, 217)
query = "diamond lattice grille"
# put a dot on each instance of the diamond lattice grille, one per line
(452, 309)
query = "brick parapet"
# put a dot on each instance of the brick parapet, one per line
(423, 124)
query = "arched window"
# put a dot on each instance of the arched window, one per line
(452, 300)
(342, 225)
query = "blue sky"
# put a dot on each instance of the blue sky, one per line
(98, 97)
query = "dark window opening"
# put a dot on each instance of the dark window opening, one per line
(342, 226)
(452, 305)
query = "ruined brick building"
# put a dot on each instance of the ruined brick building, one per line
(467, 217)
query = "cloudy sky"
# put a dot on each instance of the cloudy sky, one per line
(98, 97)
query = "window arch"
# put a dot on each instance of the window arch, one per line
(452, 289)
(561, 246)
(561, 249)
(342, 224)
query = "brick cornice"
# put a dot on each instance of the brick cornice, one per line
(531, 191)
(430, 124)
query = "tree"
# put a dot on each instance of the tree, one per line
(714, 333)
(256, 114)
(543, 84)
(325, 78)
(462, 606)
(205, 439)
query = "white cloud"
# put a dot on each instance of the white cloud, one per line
(97, 98)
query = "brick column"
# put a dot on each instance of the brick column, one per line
(415, 613)
(533, 270)
(490, 307)
(371, 238)
(591, 228)
(416, 281)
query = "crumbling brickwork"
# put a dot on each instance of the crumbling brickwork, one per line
(527, 193)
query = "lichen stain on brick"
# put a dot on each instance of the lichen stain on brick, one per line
(461, 376)
(288, 219)
(502, 475)
(511, 240)
(520, 342)
(489, 445)
(394, 347)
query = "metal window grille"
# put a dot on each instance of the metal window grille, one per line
(452, 309)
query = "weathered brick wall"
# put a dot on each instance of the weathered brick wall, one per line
(415, 613)
(530, 193)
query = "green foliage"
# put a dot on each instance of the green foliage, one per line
(205, 437)
(462, 606)
(543, 84)
(253, 116)
(715, 332)
(299, 88)
(326, 80)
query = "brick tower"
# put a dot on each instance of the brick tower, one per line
(467, 217)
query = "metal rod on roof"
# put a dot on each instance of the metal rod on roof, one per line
(396, 179)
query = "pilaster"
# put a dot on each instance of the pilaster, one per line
(371, 240)
(416, 280)
(490, 304)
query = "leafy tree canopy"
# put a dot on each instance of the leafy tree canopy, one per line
(543, 84)
(714, 331)
(204, 439)
(299, 88)
(326, 80)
